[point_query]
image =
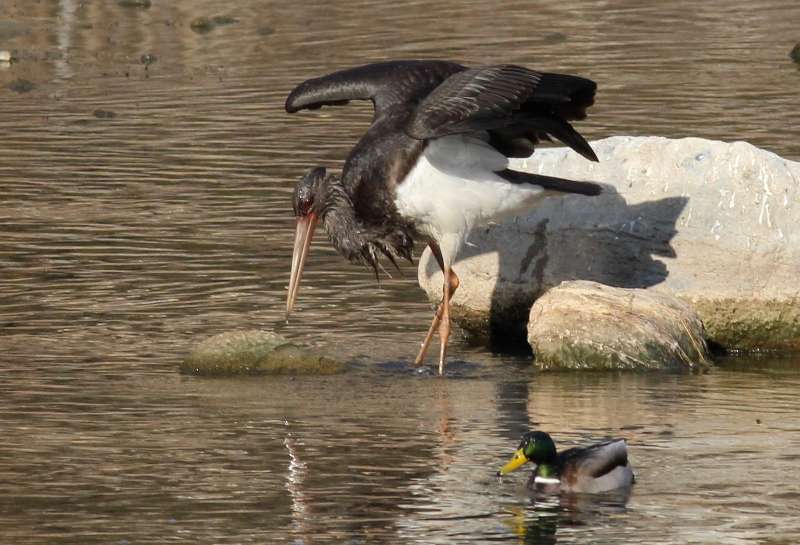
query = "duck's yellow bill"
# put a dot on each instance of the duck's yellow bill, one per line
(517, 460)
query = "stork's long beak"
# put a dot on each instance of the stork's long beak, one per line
(517, 460)
(302, 242)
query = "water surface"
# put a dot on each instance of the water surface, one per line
(129, 235)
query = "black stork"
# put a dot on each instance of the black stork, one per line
(434, 162)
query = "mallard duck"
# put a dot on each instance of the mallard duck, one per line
(588, 470)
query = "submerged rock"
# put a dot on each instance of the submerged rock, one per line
(104, 114)
(223, 20)
(255, 352)
(140, 4)
(795, 53)
(201, 25)
(712, 222)
(21, 86)
(11, 29)
(586, 325)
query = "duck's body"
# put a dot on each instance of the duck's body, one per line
(434, 162)
(595, 469)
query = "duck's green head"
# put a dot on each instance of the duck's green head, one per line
(536, 447)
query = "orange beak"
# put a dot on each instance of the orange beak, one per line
(302, 242)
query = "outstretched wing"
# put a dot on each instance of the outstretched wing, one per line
(517, 106)
(384, 83)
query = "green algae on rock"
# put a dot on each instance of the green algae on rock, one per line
(587, 325)
(751, 325)
(255, 352)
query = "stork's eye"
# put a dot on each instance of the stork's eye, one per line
(304, 206)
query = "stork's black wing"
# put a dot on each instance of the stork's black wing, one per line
(519, 107)
(384, 83)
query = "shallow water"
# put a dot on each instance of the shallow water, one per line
(126, 238)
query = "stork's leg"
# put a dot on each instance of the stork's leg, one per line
(449, 288)
(444, 321)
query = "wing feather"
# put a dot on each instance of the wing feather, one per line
(551, 183)
(595, 461)
(518, 106)
(385, 83)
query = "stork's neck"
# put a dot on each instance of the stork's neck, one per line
(339, 218)
(354, 240)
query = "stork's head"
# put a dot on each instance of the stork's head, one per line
(307, 202)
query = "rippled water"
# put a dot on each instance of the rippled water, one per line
(127, 237)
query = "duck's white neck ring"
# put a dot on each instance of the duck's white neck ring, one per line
(546, 480)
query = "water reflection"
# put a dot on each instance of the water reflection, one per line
(295, 481)
(546, 518)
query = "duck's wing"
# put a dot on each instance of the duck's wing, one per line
(517, 106)
(386, 84)
(596, 468)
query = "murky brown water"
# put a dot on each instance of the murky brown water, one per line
(127, 238)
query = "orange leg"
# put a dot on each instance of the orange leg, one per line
(444, 322)
(448, 289)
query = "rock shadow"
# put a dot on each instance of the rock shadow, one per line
(602, 239)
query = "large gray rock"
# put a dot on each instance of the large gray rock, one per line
(586, 325)
(714, 223)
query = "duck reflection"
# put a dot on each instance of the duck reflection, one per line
(539, 521)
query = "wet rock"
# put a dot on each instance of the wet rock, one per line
(202, 25)
(21, 86)
(220, 20)
(586, 325)
(555, 38)
(795, 53)
(104, 114)
(712, 222)
(138, 4)
(255, 352)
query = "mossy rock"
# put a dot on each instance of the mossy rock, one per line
(587, 325)
(751, 324)
(255, 352)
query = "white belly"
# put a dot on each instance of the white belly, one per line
(453, 188)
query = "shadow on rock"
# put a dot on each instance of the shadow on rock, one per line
(602, 239)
